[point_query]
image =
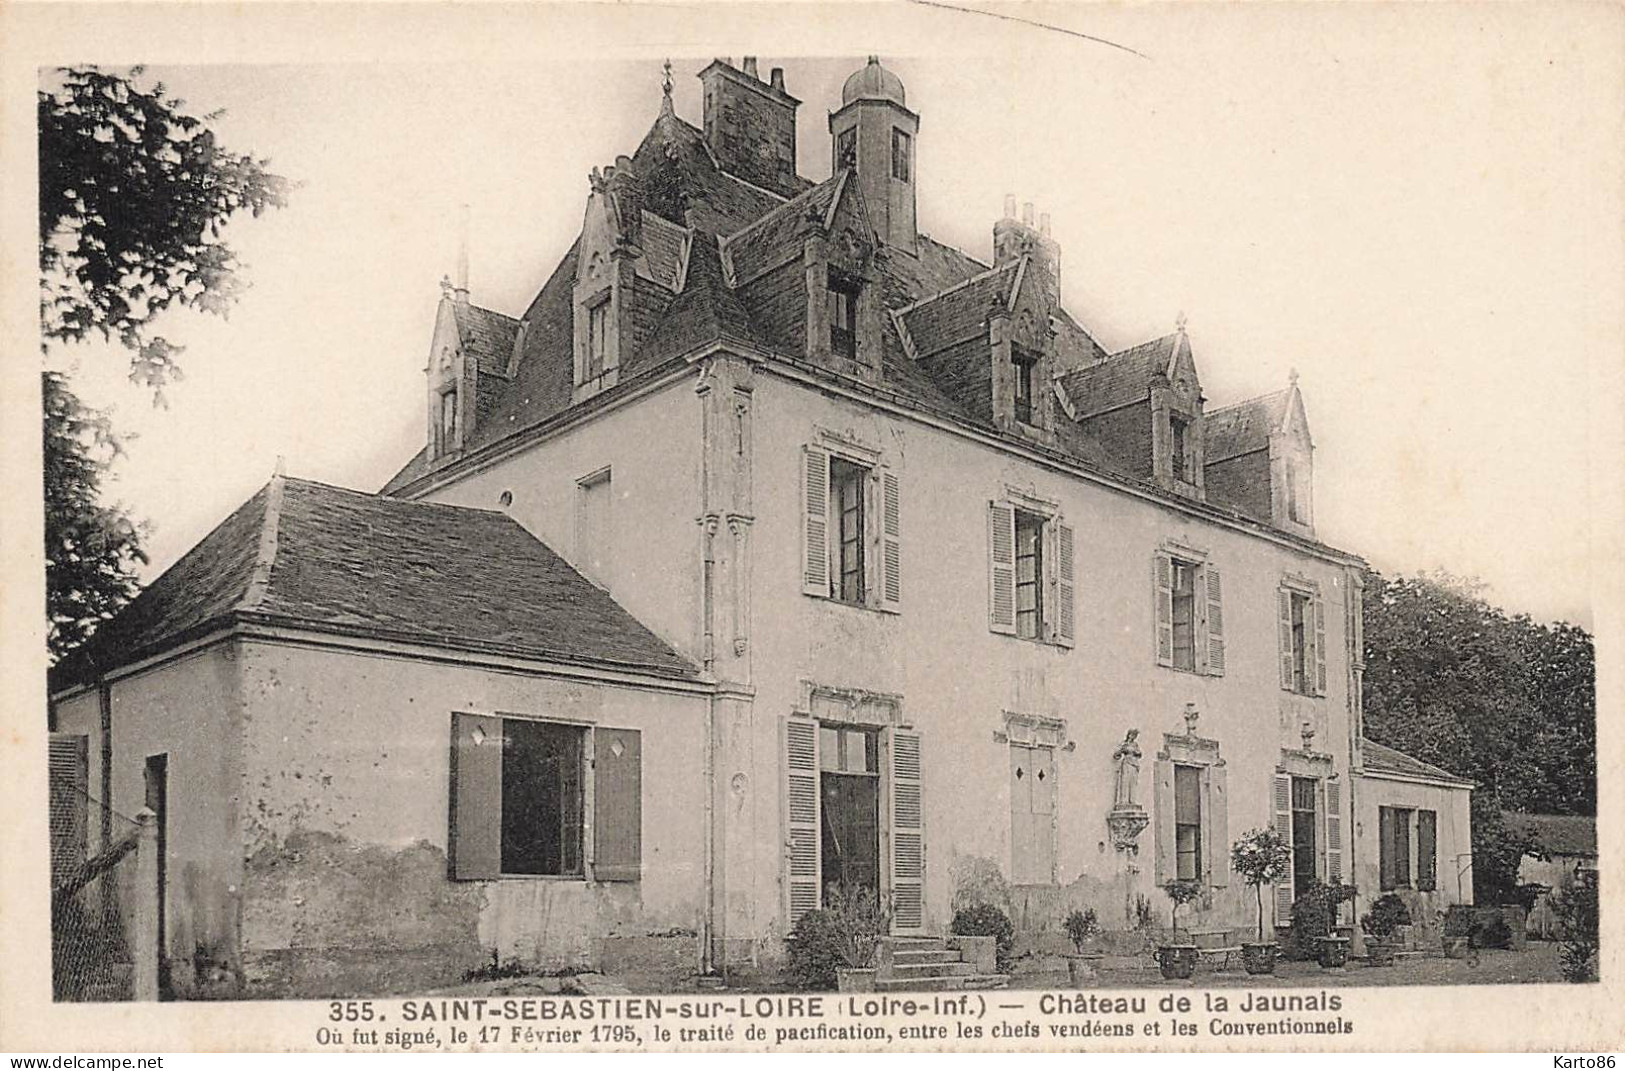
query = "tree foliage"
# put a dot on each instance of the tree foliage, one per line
(133, 193)
(1500, 699)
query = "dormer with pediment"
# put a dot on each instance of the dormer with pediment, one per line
(1177, 447)
(602, 299)
(470, 354)
(1261, 459)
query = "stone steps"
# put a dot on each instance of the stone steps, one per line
(945, 982)
(927, 964)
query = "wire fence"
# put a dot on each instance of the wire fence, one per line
(90, 877)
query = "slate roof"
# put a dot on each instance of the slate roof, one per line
(766, 243)
(958, 313)
(1556, 834)
(1244, 427)
(1120, 379)
(487, 336)
(310, 555)
(1380, 758)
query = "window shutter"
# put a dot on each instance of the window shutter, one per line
(1216, 827)
(815, 522)
(617, 809)
(802, 881)
(1162, 583)
(1283, 826)
(891, 541)
(1284, 603)
(1162, 804)
(1385, 848)
(69, 803)
(1320, 645)
(474, 844)
(1334, 832)
(1066, 585)
(1215, 622)
(1001, 538)
(1427, 860)
(907, 834)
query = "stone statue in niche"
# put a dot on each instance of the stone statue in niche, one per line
(1127, 758)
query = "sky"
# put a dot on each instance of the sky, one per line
(1415, 208)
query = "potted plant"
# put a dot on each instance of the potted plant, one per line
(861, 920)
(1262, 857)
(1177, 958)
(1081, 928)
(1332, 949)
(1380, 924)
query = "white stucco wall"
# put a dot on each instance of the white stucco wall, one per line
(1454, 809)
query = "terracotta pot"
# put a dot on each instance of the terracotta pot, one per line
(1332, 952)
(1178, 961)
(855, 979)
(1258, 957)
(1379, 951)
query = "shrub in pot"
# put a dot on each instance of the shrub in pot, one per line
(1262, 857)
(1380, 924)
(985, 920)
(1081, 928)
(835, 947)
(1314, 920)
(1176, 958)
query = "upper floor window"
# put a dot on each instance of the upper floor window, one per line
(846, 149)
(1189, 613)
(843, 315)
(1031, 579)
(597, 340)
(851, 529)
(846, 484)
(594, 531)
(1026, 369)
(900, 160)
(1302, 640)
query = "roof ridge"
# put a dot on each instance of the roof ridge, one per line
(380, 497)
(265, 557)
(1245, 401)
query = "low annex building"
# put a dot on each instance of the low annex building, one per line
(773, 545)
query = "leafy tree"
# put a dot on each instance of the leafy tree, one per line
(133, 193)
(1262, 857)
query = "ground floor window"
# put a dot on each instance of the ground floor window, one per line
(1403, 831)
(541, 798)
(1305, 817)
(1188, 822)
(849, 783)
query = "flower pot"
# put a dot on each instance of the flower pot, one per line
(1082, 967)
(1379, 952)
(1258, 957)
(855, 979)
(1178, 961)
(1332, 952)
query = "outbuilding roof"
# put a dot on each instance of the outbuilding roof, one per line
(1381, 759)
(1556, 834)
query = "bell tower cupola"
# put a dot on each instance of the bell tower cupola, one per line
(873, 133)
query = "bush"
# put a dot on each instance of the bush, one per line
(815, 950)
(1526, 895)
(1386, 915)
(1080, 926)
(1491, 932)
(985, 920)
(1314, 913)
(1576, 911)
(845, 933)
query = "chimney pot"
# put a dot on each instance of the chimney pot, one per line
(1009, 206)
(750, 67)
(1027, 213)
(777, 77)
(1043, 224)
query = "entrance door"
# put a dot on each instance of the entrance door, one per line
(158, 804)
(1032, 815)
(849, 785)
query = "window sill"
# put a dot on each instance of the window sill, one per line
(867, 606)
(1197, 672)
(1037, 640)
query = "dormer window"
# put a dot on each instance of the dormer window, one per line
(1294, 498)
(1026, 368)
(843, 315)
(446, 427)
(846, 149)
(597, 339)
(901, 161)
(1179, 447)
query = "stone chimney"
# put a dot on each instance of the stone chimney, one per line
(1014, 238)
(751, 124)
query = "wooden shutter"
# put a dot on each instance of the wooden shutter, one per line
(815, 522)
(69, 757)
(907, 834)
(617, 808)
(474, 844)
(1320, 645)
(1162, 591)
(803, 880)
(1216, 826)
(1284, 604)
(1162, 806)
(1065, 585)
(891, 541)
(1427, 859)
(1215, 622)
(1001, 540)
(1334, 832)
(1283, 826)
(1386, 870)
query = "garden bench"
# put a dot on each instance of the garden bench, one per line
(1211, 944)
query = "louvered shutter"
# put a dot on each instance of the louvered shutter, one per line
(1162, 806)
(1320, 645)
(1065, 586)
(474, 844)
(1283, 826)
(1334, 832)
(1001, 539)
(1162, 591)
(1427, 859)
(69, 803)
(1284, 604)
(815, 522)
(617, 809)
(803, 879)
(1216, 823)
(907, 834)
(1386, 869)
(891, 541)
(1215, 622)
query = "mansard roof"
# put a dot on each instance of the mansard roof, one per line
(1245, 427)
(309, 555)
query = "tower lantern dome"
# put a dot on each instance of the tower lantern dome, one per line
(873, 82)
